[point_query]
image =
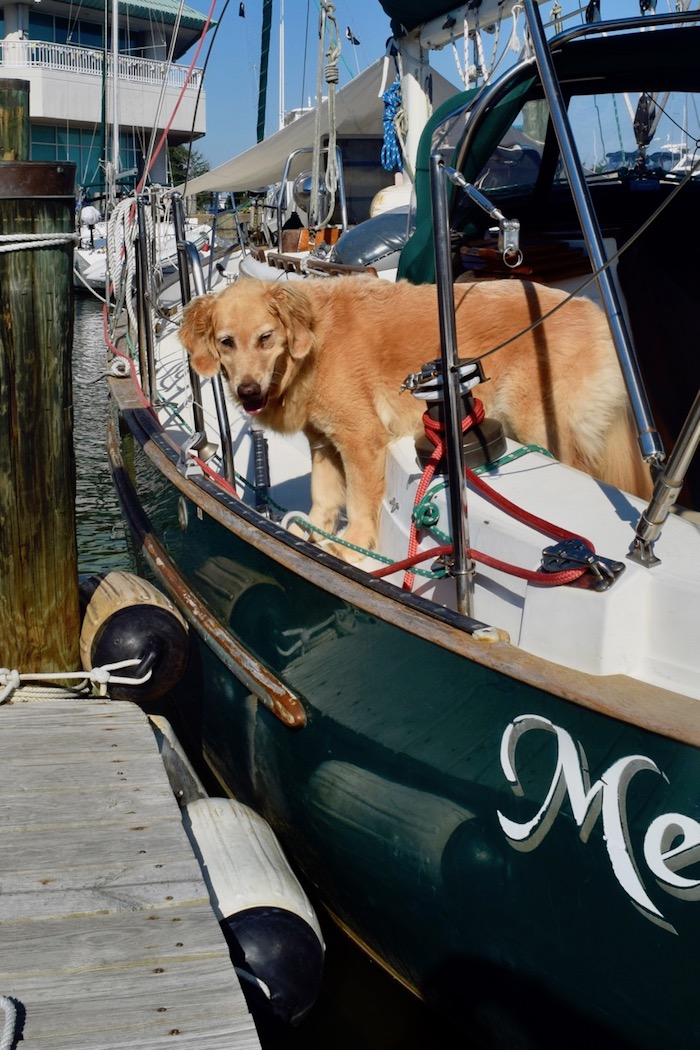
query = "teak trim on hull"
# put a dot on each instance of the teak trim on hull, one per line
(255, 676)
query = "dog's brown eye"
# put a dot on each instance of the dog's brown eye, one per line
(265, 338)
(227, 341)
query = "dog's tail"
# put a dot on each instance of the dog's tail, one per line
(621, 462)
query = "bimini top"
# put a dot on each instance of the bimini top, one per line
(469, 130)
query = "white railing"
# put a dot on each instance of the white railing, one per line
(24, 54)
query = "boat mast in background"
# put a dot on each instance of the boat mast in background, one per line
(281, 64)
(113, 162)
(264, 62)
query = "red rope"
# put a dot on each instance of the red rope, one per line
(434, 430)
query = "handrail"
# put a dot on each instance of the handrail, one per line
(620, 25)
(667, 486)
(70, 58)
(283, 188)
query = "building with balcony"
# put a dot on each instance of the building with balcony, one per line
(64, 50)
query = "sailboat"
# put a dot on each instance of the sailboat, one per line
(488, 773)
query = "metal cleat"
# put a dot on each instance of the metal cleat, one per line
(186, 465)
(573, 553)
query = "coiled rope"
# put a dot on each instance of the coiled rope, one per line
(122, 231)
(332, 77)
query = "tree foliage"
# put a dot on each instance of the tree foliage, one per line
(186, 163)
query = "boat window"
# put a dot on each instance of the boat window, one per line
(650, 134)
(633, 133)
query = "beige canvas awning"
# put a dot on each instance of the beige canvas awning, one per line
(359, 112)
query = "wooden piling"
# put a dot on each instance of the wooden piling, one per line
(39, 604)
(14, 120)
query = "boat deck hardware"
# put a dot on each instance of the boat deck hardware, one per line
(573, 554)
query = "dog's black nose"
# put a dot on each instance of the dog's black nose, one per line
(249, 391)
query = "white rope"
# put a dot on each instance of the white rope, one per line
(9, 1029)
(102, 677)
(327, 18)
(122, 230)
(9, 680)
(17, 242)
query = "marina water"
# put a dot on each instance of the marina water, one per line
(360, 1007)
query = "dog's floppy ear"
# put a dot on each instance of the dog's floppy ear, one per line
(197, 335)
(294, 309)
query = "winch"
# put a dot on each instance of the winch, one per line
(483, 439)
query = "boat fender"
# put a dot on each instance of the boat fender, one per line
(127, 618)
(271, 928)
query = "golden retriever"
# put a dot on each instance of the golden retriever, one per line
(328, 357)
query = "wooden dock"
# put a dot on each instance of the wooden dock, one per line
(107, 935)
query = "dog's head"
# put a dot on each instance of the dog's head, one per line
(255, 332)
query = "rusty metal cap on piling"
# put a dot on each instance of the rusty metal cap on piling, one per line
(36, 178)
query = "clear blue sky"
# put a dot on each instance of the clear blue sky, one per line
(233, 69)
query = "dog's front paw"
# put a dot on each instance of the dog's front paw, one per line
(344, 553)
(359, 541)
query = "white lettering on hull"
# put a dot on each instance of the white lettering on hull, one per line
(671, 842)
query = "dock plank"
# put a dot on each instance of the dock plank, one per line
(107, 935)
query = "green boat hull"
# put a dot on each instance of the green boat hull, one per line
(494, 842)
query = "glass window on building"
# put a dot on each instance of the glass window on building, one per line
(85, 148)
(56, 30)
(41, 27)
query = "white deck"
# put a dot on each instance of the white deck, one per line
(107, 935)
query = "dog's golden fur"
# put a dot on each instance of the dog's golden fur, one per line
(328, 357)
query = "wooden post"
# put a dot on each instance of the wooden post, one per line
(14, 120)
(39, 603)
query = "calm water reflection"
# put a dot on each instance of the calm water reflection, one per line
(102, 541)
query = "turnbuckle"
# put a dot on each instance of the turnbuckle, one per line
(573, 553)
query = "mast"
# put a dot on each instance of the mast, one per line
(281, 64)
(264, 61)
(113, 162)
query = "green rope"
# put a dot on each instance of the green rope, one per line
(306, 524)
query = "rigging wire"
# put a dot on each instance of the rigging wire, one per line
(150, 156)
(164, 135)
(200, 88)
(306, 52)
